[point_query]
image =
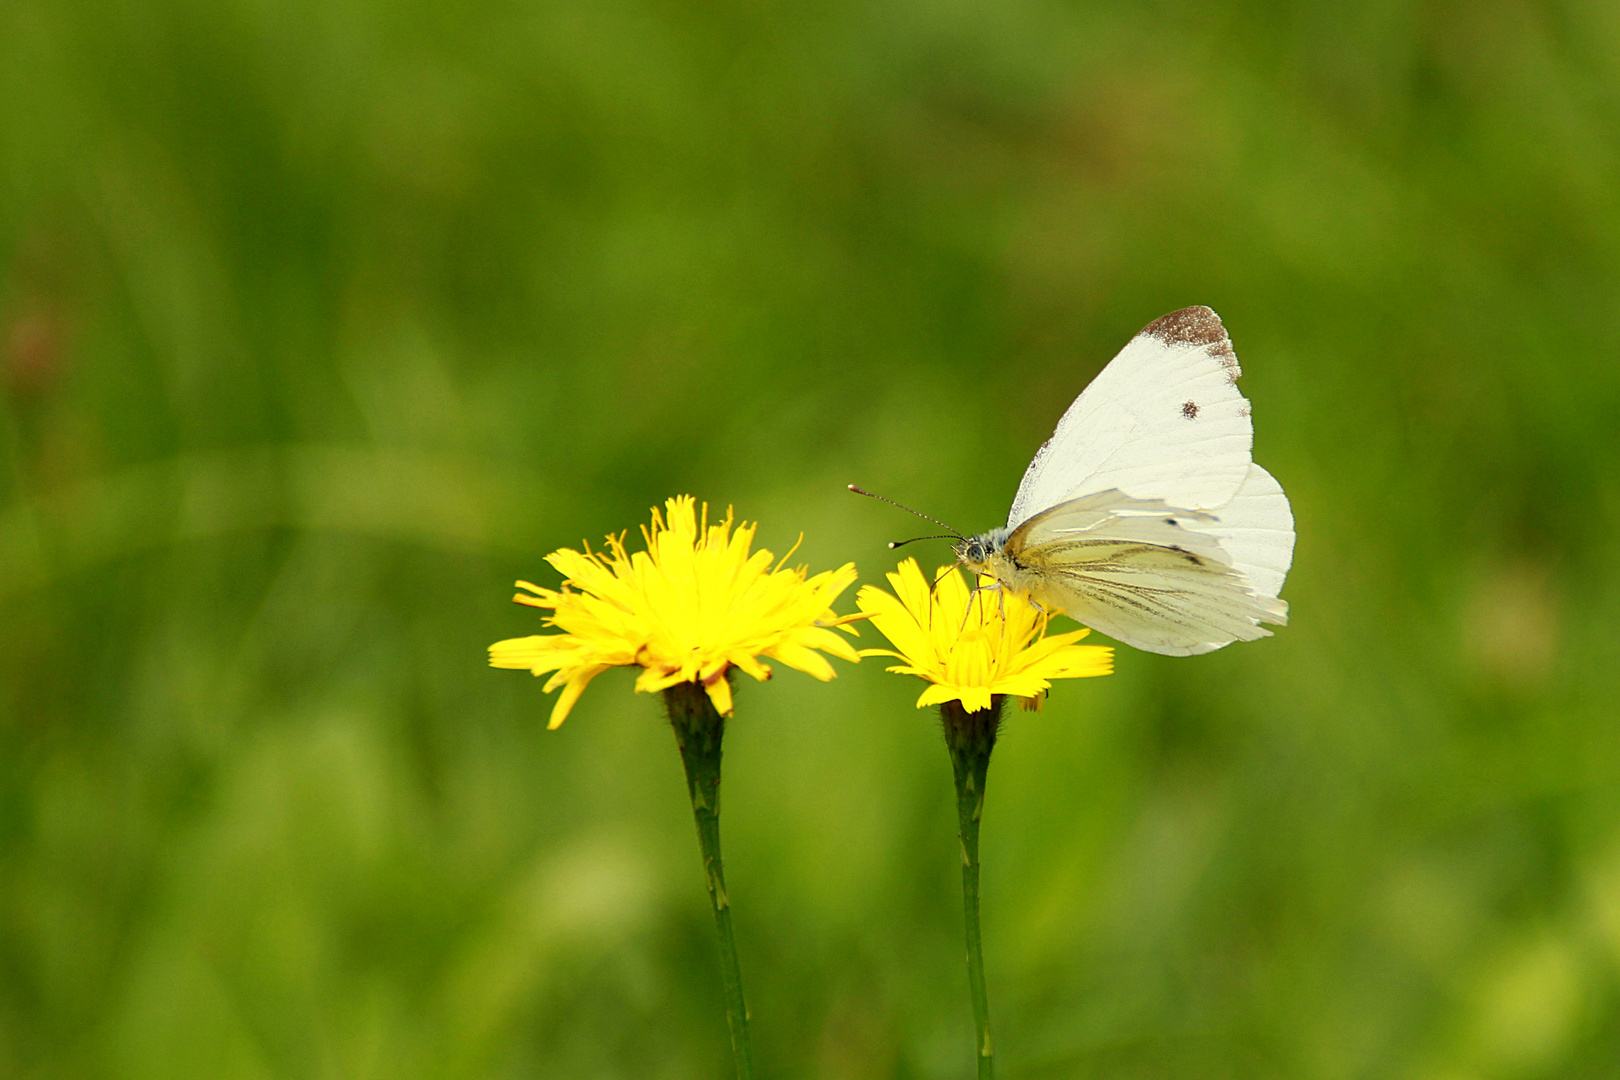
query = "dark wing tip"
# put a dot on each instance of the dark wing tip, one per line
(1197, 326)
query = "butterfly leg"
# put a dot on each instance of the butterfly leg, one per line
(1001, 599)
(968, 609)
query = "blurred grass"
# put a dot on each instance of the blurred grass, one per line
(323, 322)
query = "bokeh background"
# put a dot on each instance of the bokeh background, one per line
(321, 322)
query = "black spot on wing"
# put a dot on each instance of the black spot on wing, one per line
(1189, 409)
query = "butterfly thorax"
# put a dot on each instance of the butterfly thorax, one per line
(987, 554)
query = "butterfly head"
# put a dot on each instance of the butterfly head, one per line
(976, 552)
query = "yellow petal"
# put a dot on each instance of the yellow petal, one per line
(750, 666)
(805, 660)
(938, 694)
(536, 653)
(570, 694)
(720, 694)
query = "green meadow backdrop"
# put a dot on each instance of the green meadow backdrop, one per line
(322, 322)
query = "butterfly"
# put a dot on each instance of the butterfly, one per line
(1143, 516)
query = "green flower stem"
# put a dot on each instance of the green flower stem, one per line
(698, 731)
(970, 736)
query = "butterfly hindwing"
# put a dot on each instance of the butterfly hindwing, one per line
(1153, 576)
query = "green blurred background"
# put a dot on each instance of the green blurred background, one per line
(323, 322)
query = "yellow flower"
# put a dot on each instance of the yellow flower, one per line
(969, 646)
(693, 605)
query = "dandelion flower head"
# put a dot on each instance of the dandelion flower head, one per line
(972, 644)
(690, 607)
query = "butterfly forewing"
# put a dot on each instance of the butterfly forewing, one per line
(1164, 420)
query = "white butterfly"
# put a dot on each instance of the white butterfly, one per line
(1143, 515)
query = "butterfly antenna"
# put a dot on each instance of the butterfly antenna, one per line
(902, 543)
(927, 517)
